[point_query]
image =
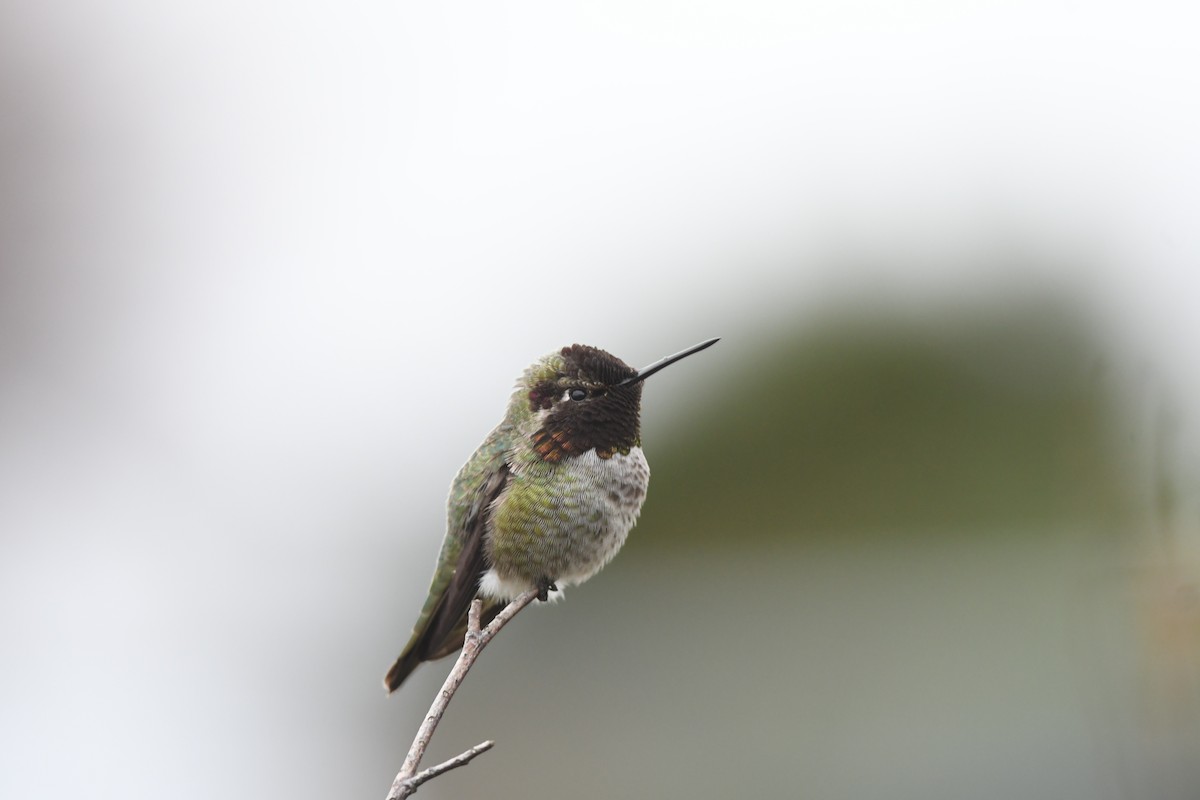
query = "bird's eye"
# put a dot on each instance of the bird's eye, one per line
(579, 394)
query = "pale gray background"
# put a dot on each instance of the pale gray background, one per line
(268, 270)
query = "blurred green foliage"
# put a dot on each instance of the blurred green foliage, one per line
(993, 419)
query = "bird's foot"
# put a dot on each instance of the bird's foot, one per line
(545, 586)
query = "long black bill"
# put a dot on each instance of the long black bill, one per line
(668, 361)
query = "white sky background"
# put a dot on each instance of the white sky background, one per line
(270, 268)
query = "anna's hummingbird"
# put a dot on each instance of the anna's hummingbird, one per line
(546, 500)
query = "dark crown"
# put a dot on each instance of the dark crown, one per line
(590, 408)
(594, 365)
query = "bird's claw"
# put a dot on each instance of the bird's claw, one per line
(545, 587)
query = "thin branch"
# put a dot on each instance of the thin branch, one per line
(408, 779)
(412, 783)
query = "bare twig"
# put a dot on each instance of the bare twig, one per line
(411, 784)
(409, 779)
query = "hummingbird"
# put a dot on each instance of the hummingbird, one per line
(546, 501)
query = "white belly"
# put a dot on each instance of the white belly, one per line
(601, 500)
(620, 489)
